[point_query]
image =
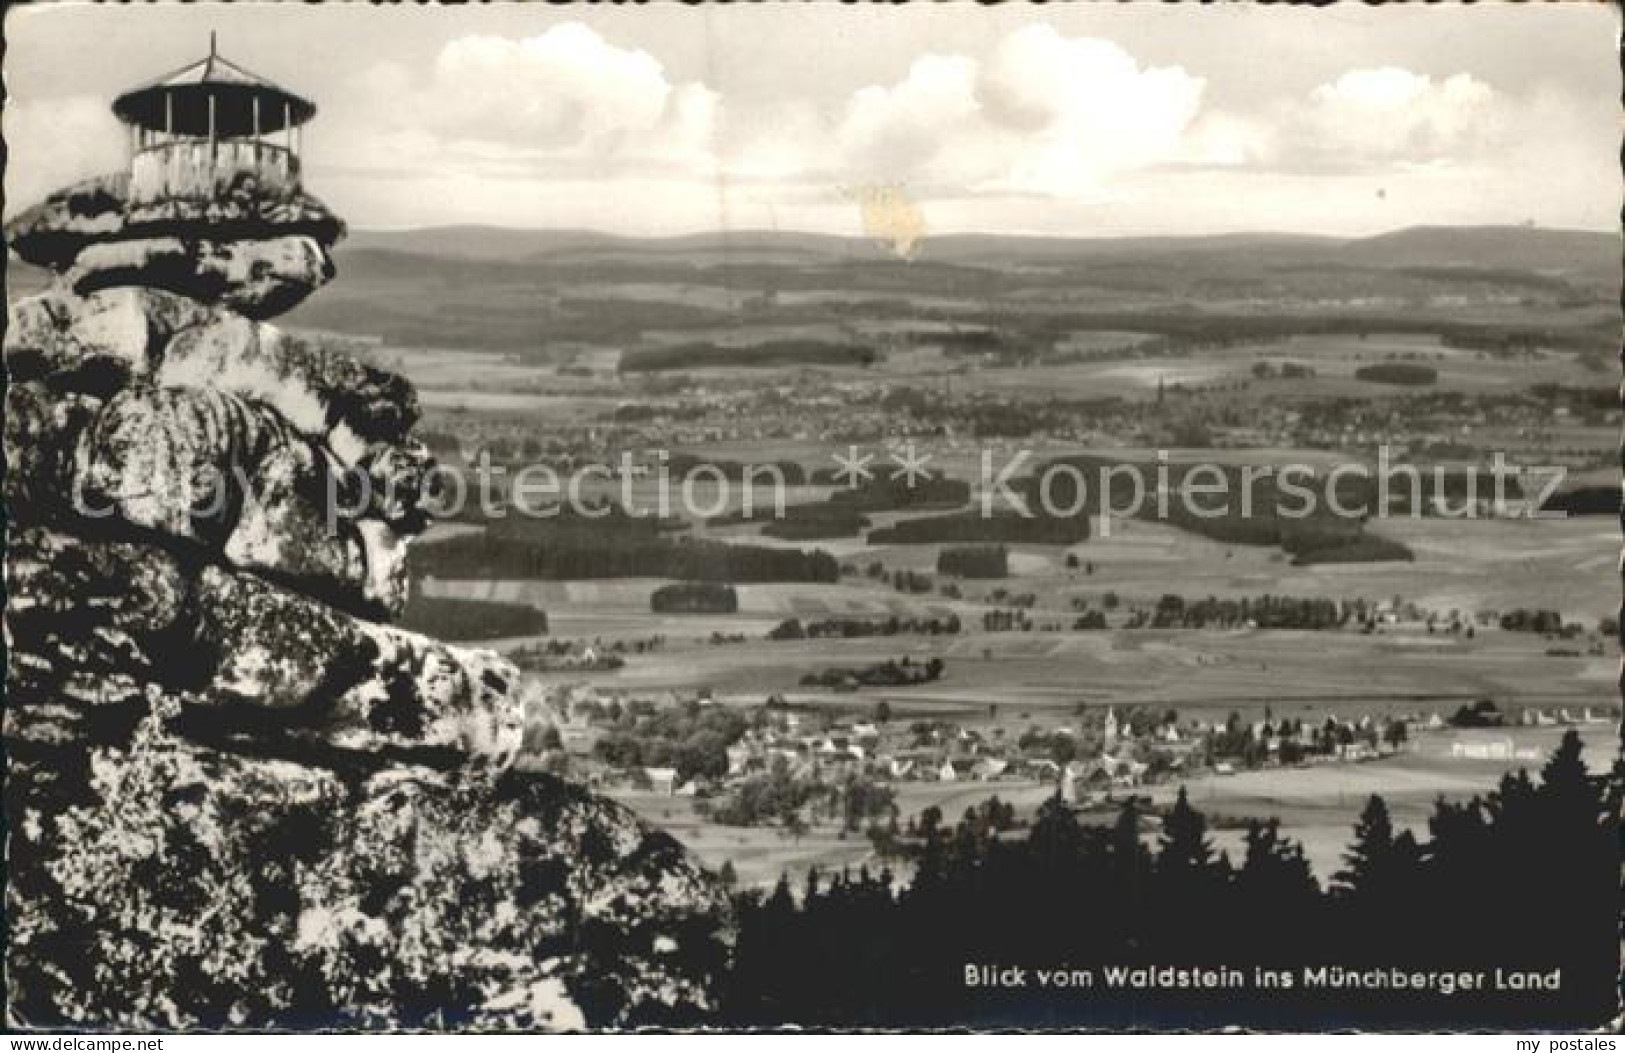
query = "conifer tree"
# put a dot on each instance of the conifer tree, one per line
(1185, 848)
(1370, 852)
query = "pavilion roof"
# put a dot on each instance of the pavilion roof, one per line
(179, 101)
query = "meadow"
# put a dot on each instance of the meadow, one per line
(769, 348)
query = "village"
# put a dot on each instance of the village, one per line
(1235, 410)
(693, 745)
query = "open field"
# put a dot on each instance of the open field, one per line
(1460, 564)
(759, 854)
(1295, 673)
(1317, 805)
(991, 348)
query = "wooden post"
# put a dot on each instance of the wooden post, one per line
(213, 158)
(169, 112)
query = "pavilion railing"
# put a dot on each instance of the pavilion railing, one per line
(197, 168)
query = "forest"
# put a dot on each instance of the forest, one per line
(1005, 527)
(850, 628)
(691, 738)
(1523, 878)
(694, 597)
(975, 561)
(1397, 373)
(768, 353)
(1312, 518)
(447, 618)
(572, 555)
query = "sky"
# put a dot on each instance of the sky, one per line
(1083, 119)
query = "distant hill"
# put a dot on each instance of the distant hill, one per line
(486, 244)
(1588, 254)
(995, 248)
(545, 292)
(1575, 252)
(509, 245)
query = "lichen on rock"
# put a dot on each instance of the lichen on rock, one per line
(237, 797)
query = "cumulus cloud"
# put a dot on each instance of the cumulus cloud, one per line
(566, 96)
(1089, 95)
(566, 87)
(1037, 114)
(905, 128)
(1043, 113)
(1367, 119)
(1033, 130)
(1040, 113)
(1394, 114)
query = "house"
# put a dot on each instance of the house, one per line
(1071, 785)
(579, 739)
(1079, 777)
(1482, 749)
(1041, 768)
(1131, 773)
(739, 758)
(1356, 751)
(947, 773)
(989, 768)
(662, 780)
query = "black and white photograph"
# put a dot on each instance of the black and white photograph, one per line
(745, 518)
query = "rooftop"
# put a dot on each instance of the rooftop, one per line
(179, 102)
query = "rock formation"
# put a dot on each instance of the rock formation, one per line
(237, 797)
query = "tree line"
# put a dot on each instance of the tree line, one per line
(890, 673)
(694, 597)
(1265, 612)
(569, 556)
(1006, 527)
(975, 561)
(1525, 877)
(449, 618)
(691, 738)
(851, 628)
(1231, 504)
